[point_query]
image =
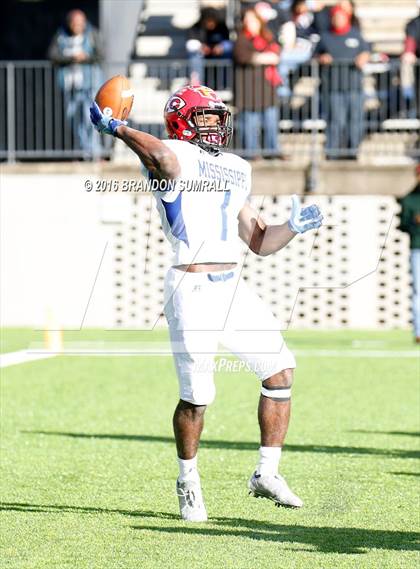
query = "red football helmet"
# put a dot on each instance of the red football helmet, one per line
(184, 108)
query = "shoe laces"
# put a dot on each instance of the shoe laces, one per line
(187, 493)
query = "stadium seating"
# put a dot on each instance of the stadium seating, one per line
(383, 22)
(158, 68)
(162, 31)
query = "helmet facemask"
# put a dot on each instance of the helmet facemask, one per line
(211, 137)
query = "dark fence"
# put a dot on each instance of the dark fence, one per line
(335, 111)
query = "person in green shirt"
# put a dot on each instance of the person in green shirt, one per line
(410, 223)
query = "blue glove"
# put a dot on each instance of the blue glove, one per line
(303, 219)
(102, 123)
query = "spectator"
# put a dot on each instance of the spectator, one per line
(256, 81)
(410, 73)
(298, 38)
(269, 15)
(76, 49)
(322, 14)
(208, 40)
(341, 84)
(410, 223)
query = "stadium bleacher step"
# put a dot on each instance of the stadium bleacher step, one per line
(161, 46)
(383, 22)
(163, 26)
(301, 146)
(383, 147)
(183, 13)
(150, 111)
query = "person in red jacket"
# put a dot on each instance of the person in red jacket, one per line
(257, 55)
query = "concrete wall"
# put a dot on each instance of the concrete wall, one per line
(52, 243)
(269, 177)
(72, 258)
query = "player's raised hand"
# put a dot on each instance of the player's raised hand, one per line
(103, 123)
(304, 219)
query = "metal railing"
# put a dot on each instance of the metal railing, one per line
(318, 112)
(44, 119)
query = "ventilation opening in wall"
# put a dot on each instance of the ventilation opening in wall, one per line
(312, 269)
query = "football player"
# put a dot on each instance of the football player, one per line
(206, 301)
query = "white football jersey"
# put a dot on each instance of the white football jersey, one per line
(199, 213)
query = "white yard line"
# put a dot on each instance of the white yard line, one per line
(163, 351)
(358, 353)
(30, 355)
(22, 356)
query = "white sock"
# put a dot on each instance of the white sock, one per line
(188, 469)
(269, 460)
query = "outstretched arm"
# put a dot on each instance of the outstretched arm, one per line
(266, 239)
(262, 239)
(161, 162)
(155, 155)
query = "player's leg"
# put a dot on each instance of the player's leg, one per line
(194, 344)
(274, 408)
(273, 417)
(252, 333)
(196, 392)
(188, 422)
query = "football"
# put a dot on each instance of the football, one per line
(115, 97)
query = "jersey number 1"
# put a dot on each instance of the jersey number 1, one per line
(223, 207)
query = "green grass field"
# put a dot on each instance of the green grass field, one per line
(88, 462)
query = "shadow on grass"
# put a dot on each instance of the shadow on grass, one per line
(406, 473)
(236, 445)
(323, 539)
(398, 433)
(55, 508)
